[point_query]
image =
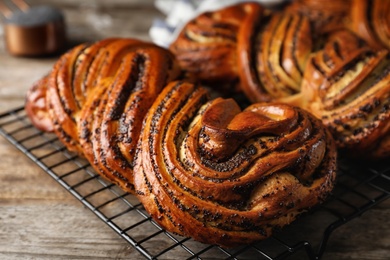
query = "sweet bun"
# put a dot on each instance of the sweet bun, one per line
(325, 58)
(96, 97)
(209, 170)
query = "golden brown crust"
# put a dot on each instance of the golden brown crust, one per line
(245, 44)
(283, 48)
(225, 176)
(97, 96)
(274, 53)
(232, 46)
(370, 20)
(207, 46)
(203, 168)
(347, 84)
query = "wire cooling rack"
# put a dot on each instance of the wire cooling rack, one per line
(359, 188)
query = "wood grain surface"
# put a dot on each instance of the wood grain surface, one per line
(41, 220)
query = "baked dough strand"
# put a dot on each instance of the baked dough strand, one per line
(223, 176)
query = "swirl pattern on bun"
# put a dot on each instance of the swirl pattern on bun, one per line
(97, 96)
(223, 176)
(211, 46)
(347, 85)
(277, 57)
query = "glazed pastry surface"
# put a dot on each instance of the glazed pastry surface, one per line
(96, 97)
(324, 57)
(209, 170)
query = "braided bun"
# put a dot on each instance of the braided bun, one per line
(211, 46)
(223, 176)
(97, 96)
(281, 57)
(201, 168)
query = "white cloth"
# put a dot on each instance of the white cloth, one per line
(179, 12)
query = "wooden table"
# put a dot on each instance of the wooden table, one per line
(40, 220)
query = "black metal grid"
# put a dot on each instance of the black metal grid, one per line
(359, 188)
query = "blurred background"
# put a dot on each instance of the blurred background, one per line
(93, 19)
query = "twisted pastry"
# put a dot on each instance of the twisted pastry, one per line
(272, 58)
(202, 168)
(208, 46)
(97, 96)
(347, 84)
(370, 20)
(242, 44)
(223, 176)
